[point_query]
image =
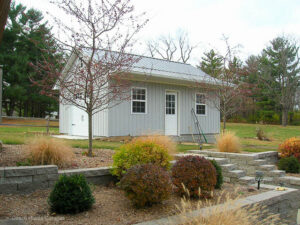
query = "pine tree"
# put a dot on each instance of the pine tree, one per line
(280, 73)
(211, 63)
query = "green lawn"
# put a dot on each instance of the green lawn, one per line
(20, 135)
(277, 134)
(247, 133)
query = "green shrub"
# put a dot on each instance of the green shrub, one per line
(219, 174)
(146, 184)
(289, 164)
(194, 173)
(71, 194)
(139, 152)
(27, 162)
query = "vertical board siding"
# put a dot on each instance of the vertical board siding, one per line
(100, 121)
(122, 122)
(64, 118)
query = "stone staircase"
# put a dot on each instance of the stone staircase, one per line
(241, 168)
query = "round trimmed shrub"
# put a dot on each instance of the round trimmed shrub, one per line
(139, 152)
(71, 194)
(146, 184)
(219, 174)
(290, 147)
(194, 173)
(289, 165)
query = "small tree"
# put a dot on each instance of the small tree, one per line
(280, 72)
(98, 40)
(226, 89)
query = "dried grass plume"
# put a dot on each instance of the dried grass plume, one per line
(49, 151)
(228, 142)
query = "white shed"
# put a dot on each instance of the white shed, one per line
(164, 99)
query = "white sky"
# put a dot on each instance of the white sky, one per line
(251, 23)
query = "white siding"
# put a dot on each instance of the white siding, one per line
(64, 118)
(100, 124)
(121, 122)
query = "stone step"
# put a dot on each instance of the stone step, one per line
(236, 173)
(220, 161)
(258, 162)
(228, 167)
(268, 180)
(267, 167)
(275, 173)
(246, 180)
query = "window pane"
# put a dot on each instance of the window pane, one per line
(200, 98)
(170, 104)
(138, 107)
(200, 109)
(138, 94)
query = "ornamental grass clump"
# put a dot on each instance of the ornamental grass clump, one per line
(146, 184)
(290, 147)
(228, 142)
(49, 151)
(139, 152)
(226, 211)
(195, 174)
(70, 195)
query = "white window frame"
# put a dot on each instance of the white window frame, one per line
(138, 100)
(198, 93)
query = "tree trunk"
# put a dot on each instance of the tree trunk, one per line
(224, 122)
(90, 118)
(284, 121)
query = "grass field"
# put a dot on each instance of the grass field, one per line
(247, 133)
(277, 134)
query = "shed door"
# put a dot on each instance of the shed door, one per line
(79, 122)
(171, 127)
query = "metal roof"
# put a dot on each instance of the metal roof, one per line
(162, 68)
(168, 69)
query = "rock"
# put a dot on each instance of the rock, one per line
(1, 146)
(251, 189)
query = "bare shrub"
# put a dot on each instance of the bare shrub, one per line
(261, 135)
(162, 140)
(228, 142)
(49, 151)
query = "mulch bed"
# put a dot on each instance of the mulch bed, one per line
(11, 154)
(111, 207)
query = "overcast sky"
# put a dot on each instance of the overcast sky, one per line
(251, 23)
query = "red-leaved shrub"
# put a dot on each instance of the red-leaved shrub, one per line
(196, 174)
(290, 147)
(146, 184)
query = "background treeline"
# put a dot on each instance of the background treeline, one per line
(273, 80)
(26, 40)
(272, 93)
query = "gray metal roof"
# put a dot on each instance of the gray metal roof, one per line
(162, 68)
(168, 69)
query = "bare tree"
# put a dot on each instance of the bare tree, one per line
(227, 90)
(98, 41)
(172, 49)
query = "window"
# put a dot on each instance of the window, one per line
(200, 104)
(170, 104)
(138, 100)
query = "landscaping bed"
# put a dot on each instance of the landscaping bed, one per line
(111, 207)
(13, 154)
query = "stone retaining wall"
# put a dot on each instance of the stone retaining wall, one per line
(26, 179)
(246, 162)
(285, 203)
